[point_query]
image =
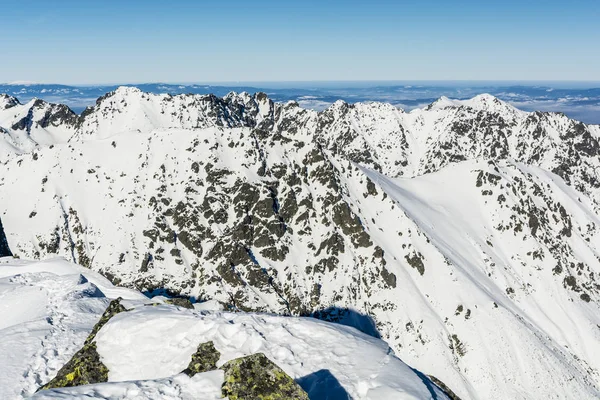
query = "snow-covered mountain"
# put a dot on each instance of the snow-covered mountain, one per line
(465, 234)
(23, 127)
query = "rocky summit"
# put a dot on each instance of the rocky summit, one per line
(465, 234)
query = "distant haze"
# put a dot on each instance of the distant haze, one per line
(578, 100)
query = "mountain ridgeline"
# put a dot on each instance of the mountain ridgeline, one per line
(466, 233)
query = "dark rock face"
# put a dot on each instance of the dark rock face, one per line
(257, 377)
(180, 302)
(203, 360)
(85, 367)
(56, 115)
(4, 249)
(444, 388)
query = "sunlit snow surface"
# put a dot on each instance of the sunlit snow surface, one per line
(48, 308)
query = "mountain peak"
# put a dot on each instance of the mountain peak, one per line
(441, 103)
(7, 101)
(243, 97)
(338, 106)
(127, 90)
(487, 102)
(120, 92)
(481, 102)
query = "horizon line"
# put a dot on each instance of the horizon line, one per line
(322, 81)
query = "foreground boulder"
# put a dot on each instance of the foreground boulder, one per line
(203, 360)
(85, 367)
(257, 377)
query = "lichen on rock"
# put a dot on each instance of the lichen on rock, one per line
(203, 360)
(255, 377)
(85, 367)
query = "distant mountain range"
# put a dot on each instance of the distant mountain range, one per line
(465, 233)
(578, 100)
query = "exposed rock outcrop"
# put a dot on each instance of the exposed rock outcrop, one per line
(180, 302)
(85, 367)
(203, 360)
(247, 378)
(257, 377)
(444, 387)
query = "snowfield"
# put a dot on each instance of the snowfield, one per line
(49, 307)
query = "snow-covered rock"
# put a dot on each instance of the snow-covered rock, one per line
(48, 308)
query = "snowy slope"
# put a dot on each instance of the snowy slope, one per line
(507, 299)
(49, 307)
(479, 266)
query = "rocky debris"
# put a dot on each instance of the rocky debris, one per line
(256, 377)
(85, 367)
(203, 360)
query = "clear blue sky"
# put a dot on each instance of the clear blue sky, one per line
(215, 41)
